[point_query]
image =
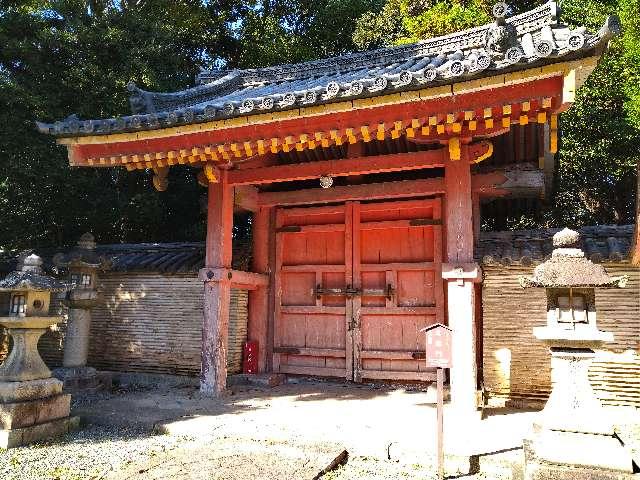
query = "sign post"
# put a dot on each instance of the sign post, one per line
(438, 355)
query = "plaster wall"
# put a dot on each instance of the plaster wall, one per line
(147, 322)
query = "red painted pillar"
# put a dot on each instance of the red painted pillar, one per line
(217, 288)
(459, 273)
(259, 298)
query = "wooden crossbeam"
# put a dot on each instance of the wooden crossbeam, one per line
(399, 189)
(522, 180)
(336, 168)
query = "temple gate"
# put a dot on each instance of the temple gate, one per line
(406, 144)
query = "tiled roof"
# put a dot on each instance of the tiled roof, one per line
(185, 257)
(530, 39)
(601, 243)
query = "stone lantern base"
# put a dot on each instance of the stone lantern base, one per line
(573, 437)
(33, 410)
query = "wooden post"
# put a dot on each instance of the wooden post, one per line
(440, 415)
(217, 288)
(459, 273)
(259, 299)
(477, 221)
(459, 211)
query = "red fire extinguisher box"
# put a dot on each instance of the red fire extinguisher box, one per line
(250, 357)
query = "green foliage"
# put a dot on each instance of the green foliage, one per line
(73, 56)
(291, 31)
(406, 21)
(630, 16)
(446, 17)
(66, 56)
(599, 151)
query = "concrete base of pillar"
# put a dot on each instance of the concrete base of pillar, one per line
(83, 379)
(15, 415)
(257, 379)
(24, 436)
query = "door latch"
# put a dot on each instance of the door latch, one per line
(353, 324)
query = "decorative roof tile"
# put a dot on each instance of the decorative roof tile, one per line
(600, 243)
(530, 39)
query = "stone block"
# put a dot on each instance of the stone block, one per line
(544, 471)
(257, 379)
(29, 390)
(36, 433)
(582, 449)
(83, 379)
(32, 412)
(603, 458)
(63, 373)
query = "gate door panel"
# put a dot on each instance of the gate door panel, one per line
(354, 285)
(397, 266)
(313, 271)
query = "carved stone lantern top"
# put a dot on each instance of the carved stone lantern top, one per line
(83, 256)
(30, 277)
(568, 267)
(570, 281)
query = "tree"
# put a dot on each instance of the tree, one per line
(66, 56)
(291, 31)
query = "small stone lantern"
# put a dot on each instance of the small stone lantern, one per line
(82, 264)
(573, 430)
(32, 406)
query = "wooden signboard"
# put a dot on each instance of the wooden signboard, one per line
(438, 355)
(438, 348)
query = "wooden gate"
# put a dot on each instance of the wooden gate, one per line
(354, 285)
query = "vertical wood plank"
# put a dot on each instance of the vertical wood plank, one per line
(460, 292)
(476, 208)
(348, 279)
(272, 281)
(277, 304)
(459, 212)
(259, 299)
(437, 259)
(357, 301)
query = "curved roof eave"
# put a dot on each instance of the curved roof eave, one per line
(531, 39)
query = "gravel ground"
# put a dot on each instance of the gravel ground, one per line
(228, 451)
(90, 453)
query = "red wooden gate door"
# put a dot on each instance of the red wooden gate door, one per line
(354, 285)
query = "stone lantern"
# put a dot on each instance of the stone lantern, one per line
(32, 406)
(572, 435)
(82, 264)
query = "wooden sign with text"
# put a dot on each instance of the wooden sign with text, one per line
(438, 346)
